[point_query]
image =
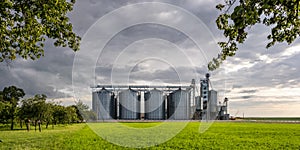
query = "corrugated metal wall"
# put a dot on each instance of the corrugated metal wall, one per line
(179, 105)
(129, 105)
(104, 105)
(213, 104)
(154, 105)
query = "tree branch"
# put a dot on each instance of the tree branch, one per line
(297, 9)
(230, 5)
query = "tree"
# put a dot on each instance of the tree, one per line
(283, 16)
(83, 111)
(4, 112)
(59, 114)
(71, 115)
(78, 113)
(12, 95)
(26, 24)
(49, 113)
(34, 108)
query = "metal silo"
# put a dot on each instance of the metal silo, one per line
(179, 105)
(213, 104)
(95, 103)
(129, 105)
(104, 105)
(154, 105)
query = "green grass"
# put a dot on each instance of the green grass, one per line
(221, 135)
(274, 118)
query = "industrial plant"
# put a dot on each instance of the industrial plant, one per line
(142, 102)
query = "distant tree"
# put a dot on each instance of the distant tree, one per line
(71, 114)
(59, 114)
(84, 111)
(12, 95)
(34, 108)
(48, 114)
(236, 19)
(26, 24)
(91, 115)
(4, 112)
(78, 113)
(81, 106)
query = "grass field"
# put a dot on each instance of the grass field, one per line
(221, 135)
(274, 118)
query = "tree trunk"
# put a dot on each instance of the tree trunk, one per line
(12, 123)
(35, 125)
(21, 124)
(47, 124)
(39, 123)
(28, 126)
(27, 123)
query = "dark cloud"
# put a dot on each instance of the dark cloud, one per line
(253, 67)
(248, 91)
(176, 75)
(246, 97)
(236, 86)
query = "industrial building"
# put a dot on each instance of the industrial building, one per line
(179, 105)
(104, 104)
(155, 105)
(141, 102)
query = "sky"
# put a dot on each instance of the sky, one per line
(162, 42)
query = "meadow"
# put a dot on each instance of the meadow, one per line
(221, 135)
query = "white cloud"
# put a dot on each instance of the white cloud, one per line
(266, 58)
(237, 65)
(168, 15)
(294, 50)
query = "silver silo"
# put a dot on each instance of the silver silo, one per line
(154, 105)
(213, 103)
(95, 103)
(179, 105)
(129, 105)
(104, 104)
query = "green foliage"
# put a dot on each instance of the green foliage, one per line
(37, 108)
(83, 111)
(48, 114)
(34, 108)
(4, 112)
(25, 25)
(10, 97)
(219, 136)
(282, 16)
(71, 115)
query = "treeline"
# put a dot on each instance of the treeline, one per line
(37, 110)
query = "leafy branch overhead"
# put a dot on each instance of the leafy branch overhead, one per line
(283, 16)
(26, 24)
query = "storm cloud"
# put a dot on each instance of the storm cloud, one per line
(257, 81)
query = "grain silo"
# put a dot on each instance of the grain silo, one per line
(154, 105)
(104, 105)
(129, 105)
(179, 105)
(213, 104)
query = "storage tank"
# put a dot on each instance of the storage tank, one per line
(104, 104)
(95, 103)
(213, 104)
(129, 105)
(154, 105)
(179, 105)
